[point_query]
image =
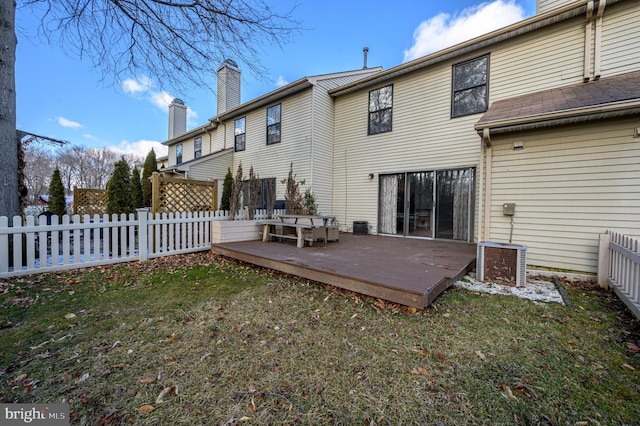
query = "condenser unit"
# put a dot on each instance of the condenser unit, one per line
(502, 263)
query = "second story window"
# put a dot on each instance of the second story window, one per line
(197, 148)
(179, 154)
(380, 108)
(470, 94)
(273, 124)
(240, 132)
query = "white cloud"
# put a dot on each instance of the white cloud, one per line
(90, 137)
(134, 86)
(159, 99)
(68, 123)
(444, 30)
(281, 81)
(140, 148)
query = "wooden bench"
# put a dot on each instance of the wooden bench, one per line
(301, 232)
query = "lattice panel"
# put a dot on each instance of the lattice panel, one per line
(184, 195)
(89, 201)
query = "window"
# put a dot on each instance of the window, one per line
(470, 87)
(380, 104)
(179, 154)
(197, 148)
(266, 194)
(273, 124)
(240, 134)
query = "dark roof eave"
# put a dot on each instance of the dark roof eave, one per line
(266, 99)
(528, 25)
(559, 118)
(210, 156)
(191, 133)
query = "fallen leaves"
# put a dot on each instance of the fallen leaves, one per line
(145, 409)
(633, 348)
(419, 371)
(70, 315)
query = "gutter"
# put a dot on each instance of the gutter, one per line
(263, 100)
(191, 133)
(559, 118)
(483, 42)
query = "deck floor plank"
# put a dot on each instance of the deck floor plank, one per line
(408, 271)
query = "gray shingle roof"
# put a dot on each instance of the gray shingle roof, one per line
(610, 90)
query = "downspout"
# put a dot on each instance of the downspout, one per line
(598, 42)
(486, 229)
(224, 134)
(588, 29)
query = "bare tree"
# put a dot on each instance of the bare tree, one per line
(170, 41)
(39, 166)
(9, 192)
(90, 167)
(175, 42)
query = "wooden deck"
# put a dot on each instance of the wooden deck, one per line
(412, 272)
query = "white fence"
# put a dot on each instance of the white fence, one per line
(33, 245)
(620, 267)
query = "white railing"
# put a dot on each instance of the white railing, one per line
(620, 267)
(32, 245)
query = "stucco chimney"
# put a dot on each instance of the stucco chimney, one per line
(228, 86)
(177, 118)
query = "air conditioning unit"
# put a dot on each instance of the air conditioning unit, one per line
(502, 263)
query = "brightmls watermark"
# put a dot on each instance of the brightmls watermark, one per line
(34, 414)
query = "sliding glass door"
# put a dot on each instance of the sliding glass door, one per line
(428, 204)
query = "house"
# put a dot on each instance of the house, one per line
(292, 125)
(541, 116)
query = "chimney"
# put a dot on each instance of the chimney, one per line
(228, 86)
(177, 118)
(365, 50)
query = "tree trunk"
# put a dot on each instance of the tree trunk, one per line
(9, 196)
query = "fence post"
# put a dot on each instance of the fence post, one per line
(143, 240)
(603, 260)
(4, 245)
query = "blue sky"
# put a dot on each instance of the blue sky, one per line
(62, 96)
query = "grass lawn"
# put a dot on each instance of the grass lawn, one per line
(199, 339)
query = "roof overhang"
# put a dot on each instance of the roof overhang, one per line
(183, 167)
(561, 118)
(269, 98)
(477, 44)
(201, 130)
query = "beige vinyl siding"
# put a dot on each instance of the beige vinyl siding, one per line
(545, 59)
(543, 6)
(187, 151)
(215, 168)
(620, 47)
(272, 161)
(569, 185)
(423, 137)
(322, 149)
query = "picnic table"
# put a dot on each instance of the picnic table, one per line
(299, 227)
